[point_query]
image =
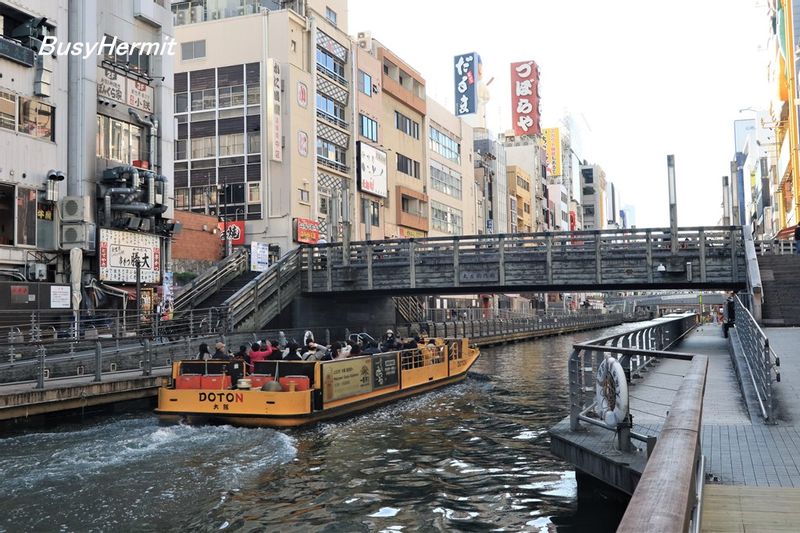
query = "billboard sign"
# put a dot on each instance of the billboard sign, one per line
(235, 230)
(306, 231)
(259, 256)
(342, 379)
(466, 73)
(119, 252)
(274, 110)
(552, 141)
(525, 98)
(372, 170)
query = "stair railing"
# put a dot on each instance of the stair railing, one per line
(210, 281)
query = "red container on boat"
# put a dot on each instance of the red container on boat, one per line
(300, 382)
(257, 380)
(216, 382)
(189, 381)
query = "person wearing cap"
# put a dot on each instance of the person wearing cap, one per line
(221, 352)
(390, 343)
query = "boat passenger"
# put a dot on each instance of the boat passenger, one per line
(292, 354)
(355, 349)
(390, 342)
(262, 353)
(344, 352)
(275, 353)
(202, 352)
(333, 352)
(243, 353)
(221, 352)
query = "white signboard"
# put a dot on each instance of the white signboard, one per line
(114, 86)
(372, 170)
(111, 85)
(60, 297)
(140, 95)
(274, 110)
(259, 256)
(119, 252)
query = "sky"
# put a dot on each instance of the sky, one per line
(649, 78)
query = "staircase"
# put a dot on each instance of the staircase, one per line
(410, 308)
(229, 289)
(780, 278)
(208, 284)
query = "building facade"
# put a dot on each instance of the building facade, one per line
(529, 154)
(520, 207)
(490, 174)
(593, 197)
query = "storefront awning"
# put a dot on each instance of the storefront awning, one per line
(786, 233)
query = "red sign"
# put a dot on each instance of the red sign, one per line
(235, 231)
(306, 231)
(302, 94)
(103, 254)
(525, 98)
(573, 220)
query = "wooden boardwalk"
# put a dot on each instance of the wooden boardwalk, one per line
(737, 508)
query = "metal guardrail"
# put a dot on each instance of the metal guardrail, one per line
(776, 247)
(210, 281)
(637, 350)
(762, 363)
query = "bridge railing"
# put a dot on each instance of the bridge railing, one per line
(580, 258)
(775, 247)
(762, 363)
(210, 281)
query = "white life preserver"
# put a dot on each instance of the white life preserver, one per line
(611, 392)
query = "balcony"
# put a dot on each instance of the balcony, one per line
(332, 119)
(332, 75)
(330, 163)
(12, 50)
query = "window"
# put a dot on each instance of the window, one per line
(406, 125)
(331, 64)
(26, 217)
(231, 144)
(587, 191)
(253, 193)
(412, 206)
(330, 14)
(369, 128)
(522, 183)
(8, 111)
(181, 102)
(444, 145)
(447, 219)
(371, 210)
(323, 204)
(37, 119)
(206, 99)
(304, 196)
(253, 142)
(526, 207)
(364, 83)
(330, 151)
(193, 50)
(407, 166)
(588, 175)
(204, 147)
(253, 94)
(180, 149)
(232, 96)
(445, 180)
(181, 198)
(330, 107)
(588, 211)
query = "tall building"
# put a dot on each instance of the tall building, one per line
(266, 120)
(490, 174)
(593, 197)
(521, 208)
(529, 154)
(87, 168)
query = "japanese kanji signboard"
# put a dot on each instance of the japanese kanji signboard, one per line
(119, 252)
(466, 83)
(525, 98)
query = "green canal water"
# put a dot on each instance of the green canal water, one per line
(471, 457)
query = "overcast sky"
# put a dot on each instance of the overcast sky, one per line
(650, 78)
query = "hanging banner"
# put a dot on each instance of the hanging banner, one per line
(274, 110)
(525, 98)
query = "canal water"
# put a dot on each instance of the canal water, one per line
(470, 457)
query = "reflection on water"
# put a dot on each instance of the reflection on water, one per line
(470, 457)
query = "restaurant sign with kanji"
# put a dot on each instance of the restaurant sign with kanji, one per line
(525, 98)
(120, 251)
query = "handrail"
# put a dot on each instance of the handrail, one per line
(666, 498)
(754, 285)
(775, 247)
(759, 357)
(219, 274)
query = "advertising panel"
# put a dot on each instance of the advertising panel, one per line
(306, 231)
(114, 86)
(342, 379)
(274, 110)
(372, 170)
(525, 98)
(466, 73)
(140, 95)
(259, 256)
(384, 371)
(60, 297)
(119, 252)
(552, 140)
(235, 232)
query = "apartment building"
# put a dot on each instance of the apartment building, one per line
(87, 161)
(266, 120)
(593, 197)
(528, 153)
(490, 174)
(520, 210)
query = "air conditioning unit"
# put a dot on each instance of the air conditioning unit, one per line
(78, 235)
(75, 208)
(365, 40)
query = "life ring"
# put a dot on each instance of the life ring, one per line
(611, 392)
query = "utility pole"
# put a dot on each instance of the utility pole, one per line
(673, 204)
(138, 265)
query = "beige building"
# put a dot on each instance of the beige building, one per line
(528, 154)
(520, 211)
(265, 120)
(454, 194)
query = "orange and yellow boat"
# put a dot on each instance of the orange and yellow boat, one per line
(294, 393)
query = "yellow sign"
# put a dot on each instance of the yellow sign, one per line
(341, 379)
(552, 140)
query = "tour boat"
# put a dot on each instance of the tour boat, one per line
(294, 393)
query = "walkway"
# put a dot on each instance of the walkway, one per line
(785, 342)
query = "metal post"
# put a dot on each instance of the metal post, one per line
(673, 204)
(138, 265)
(98, 362)
(147, 358)
(40, 374)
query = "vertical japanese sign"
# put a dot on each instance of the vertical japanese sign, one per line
(552, 140)
(525, 98)
(274, 110)
(466, 83)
